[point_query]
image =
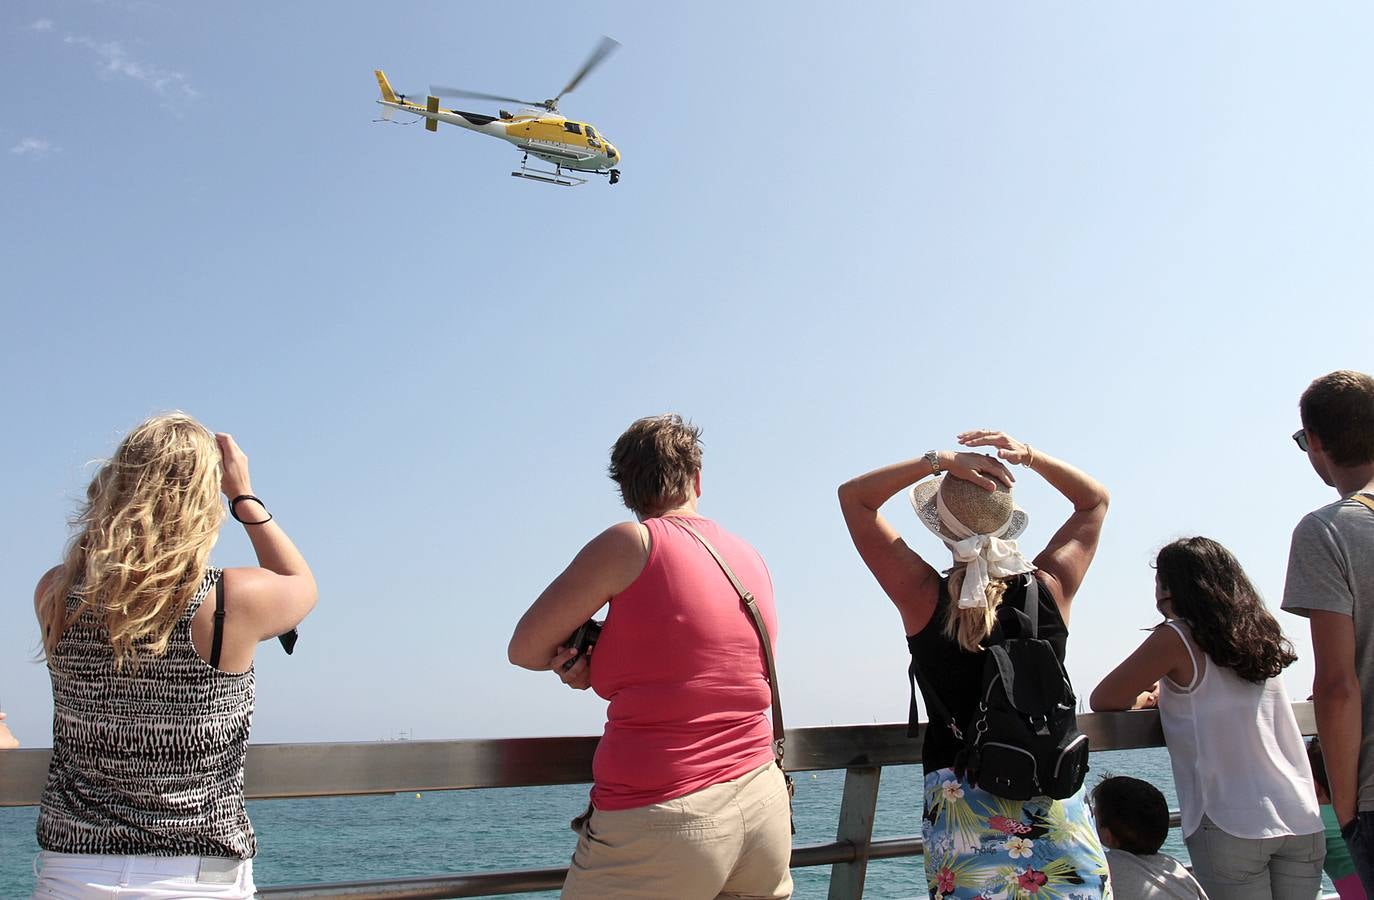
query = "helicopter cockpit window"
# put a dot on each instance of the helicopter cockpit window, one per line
(591, 132)
(573, 127)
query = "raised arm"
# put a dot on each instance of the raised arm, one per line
(909, 581)
(1065, 560)
(274, 597)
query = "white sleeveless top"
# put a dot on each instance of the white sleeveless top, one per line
(1237, 754)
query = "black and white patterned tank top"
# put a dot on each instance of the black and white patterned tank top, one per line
(149, 760)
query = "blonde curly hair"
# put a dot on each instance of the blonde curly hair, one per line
(968, 627)
(144, 535)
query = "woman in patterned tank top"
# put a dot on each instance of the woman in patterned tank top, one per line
(150, 651)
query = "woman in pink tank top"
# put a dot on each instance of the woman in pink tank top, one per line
(686, 801)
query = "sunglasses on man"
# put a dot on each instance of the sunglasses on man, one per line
(1300, 438)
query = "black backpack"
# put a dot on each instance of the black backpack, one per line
(1022, 740)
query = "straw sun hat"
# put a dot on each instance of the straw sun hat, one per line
(979, 510)
(990, 523)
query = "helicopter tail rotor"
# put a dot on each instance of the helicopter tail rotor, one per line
(391, 95)
(387, 93)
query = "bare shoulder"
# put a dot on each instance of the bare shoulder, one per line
(624, 536)
(246, 583)
(621, 540)
(1052, 583)
(273, 603)
(253, 585)
(1166, 638)
(45, 584)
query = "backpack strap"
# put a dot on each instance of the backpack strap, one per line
(217, 642)
(779, 737)
(934, 704)
(1032, 604)
(1363, 498)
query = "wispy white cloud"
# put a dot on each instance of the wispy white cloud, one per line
(41, 25)
(116, 62)
(34, 147)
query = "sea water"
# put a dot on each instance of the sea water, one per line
(398, 835)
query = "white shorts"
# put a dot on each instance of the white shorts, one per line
(77, 876)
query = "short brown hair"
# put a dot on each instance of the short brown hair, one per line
(1339, 409)
(1134, 810)
(654, 463)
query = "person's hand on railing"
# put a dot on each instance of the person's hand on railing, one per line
(575, 673)
(1147, 699)
(7, 739)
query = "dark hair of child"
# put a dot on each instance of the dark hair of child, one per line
(1135, 811)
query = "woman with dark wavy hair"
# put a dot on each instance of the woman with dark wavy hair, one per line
(1213, 668)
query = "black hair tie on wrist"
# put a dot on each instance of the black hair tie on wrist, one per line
(233, 510)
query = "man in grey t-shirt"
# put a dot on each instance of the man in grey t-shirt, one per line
(1331, 581)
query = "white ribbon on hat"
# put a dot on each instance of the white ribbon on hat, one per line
(987, 556)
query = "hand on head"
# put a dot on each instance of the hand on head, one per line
(1008, 448)
(234, 481)
(984, 471)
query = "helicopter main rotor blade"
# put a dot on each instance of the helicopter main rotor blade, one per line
(603, 50)
(439, 90)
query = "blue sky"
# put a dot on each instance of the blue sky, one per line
(1129, 234)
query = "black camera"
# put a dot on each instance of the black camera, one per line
(584, 639)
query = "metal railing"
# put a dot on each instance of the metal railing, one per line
(324, 770)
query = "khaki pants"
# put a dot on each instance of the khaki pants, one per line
(729, 840)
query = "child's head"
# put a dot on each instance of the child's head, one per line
(1314, 756)
(1132, 815)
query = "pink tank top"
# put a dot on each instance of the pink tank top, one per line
(681, 664)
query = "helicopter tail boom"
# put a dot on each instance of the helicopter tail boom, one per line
(387, 93)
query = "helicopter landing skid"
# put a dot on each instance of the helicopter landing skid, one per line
(556, 176)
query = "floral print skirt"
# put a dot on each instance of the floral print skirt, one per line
(985, 847)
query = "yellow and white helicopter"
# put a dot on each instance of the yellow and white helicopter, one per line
(574, 148)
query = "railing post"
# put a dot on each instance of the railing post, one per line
(856, 827)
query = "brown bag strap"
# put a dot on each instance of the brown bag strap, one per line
(779, 738)
(1363, 499)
